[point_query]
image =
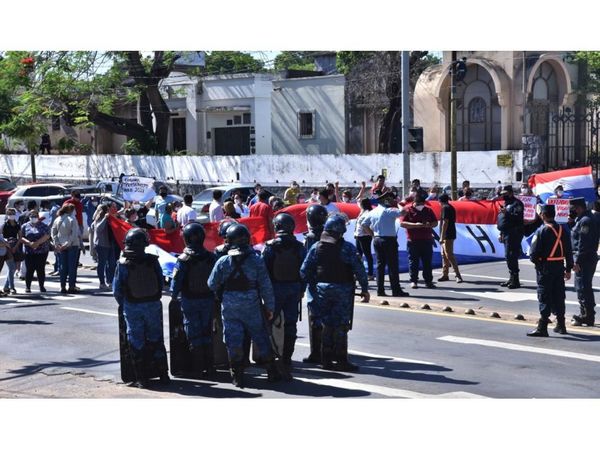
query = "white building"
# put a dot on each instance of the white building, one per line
(255, 114)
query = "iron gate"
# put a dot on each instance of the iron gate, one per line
(572, 139)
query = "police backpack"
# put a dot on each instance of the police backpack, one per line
(142, 281)
(286, 263)
(195, 284)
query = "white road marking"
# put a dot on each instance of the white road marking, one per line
(508, 296)
(22, 300)
(385, 391)
(374, 355)
(89, 311)
(520, 348)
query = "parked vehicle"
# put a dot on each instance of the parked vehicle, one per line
(7, 188)
(202, 200)
(47, 191)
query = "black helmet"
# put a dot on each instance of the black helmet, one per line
(238, 235)
(137, 239)
(316, 216)
(223, 226)
(335, 224)
(284, 223)
(193, 235)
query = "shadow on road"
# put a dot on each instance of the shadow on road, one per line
(25, 322)
(34, 305)
(80, 363)
(581, 337)
(443, 297)
(203, 388)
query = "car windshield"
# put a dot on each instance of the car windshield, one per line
(6, 185)
(204, 196)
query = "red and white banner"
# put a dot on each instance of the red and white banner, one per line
(529, 202)
(561, 208)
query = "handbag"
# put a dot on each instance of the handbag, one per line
(17, 254)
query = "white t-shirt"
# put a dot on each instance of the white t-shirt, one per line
(242, 210)
(186, 215)
(215, 212)
(331, 208)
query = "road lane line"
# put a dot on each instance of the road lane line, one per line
(374, 355)
(508, 296)
(22, 300)
(383, 390)
(577, 330)
(89, 311)
(520, 348)
(490, 277)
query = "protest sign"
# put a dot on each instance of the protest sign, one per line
(137, 189)
(561, 206)
(529, 201)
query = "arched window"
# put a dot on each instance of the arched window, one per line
(478, 111)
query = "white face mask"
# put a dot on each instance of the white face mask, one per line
(11, 217)
(524, 191)
(314, 197)
(238, 201)
(34, 220)
(560, 192)
(345, 199)
(419, 207)
(137, 206)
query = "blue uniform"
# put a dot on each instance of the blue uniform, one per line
(288, 294)
(197, 311)
(584, 238)
(312, 302)
(336, 298)
(241, 309)
(143, 318)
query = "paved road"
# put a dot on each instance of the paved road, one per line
(403, 352)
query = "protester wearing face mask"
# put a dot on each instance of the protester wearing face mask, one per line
(19, 208)
(314, 196)
(11, 231)
(290, 194)
(559, 192)
(131, 217)
(35, 236)
(104, 251)
(66, 238)
(419, 222)
(240, 206)
(160, 202)
(347, 197)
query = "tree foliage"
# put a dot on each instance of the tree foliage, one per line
(294, 60)
(591, 87)
(220, 62)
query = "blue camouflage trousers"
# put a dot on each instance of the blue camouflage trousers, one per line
(197, 320)
(243, 315)
(145, 325)
(336, 301)
(287, 297)
(313, 305)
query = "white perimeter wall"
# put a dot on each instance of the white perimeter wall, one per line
(478, 167)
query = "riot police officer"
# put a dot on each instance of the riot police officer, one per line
(332, 265)
(316, 215)
(510, 224)
(584, 237)
(221, 250)
(283, 257)
(550, 250)
(190, 279)
(242, 280)
(137, 287)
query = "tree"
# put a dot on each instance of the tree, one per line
(373, 79)
(232, 62)
(294, 60)
(590, 88)
(85, 88)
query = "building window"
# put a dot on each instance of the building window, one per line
(306, 124)
(477, 110)
(246, 118)
(237, 120)
(229, 122)
(55, 123)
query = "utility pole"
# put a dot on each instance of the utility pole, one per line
(453, 167)
(405, 123)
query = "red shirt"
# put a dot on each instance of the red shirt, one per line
(78, 209)
(413, 215)
(261, 209)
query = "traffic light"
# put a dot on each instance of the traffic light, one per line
(415, 139)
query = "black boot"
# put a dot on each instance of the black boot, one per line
(198, 363)
(139, 369)
(288, 350)
(560, 327)
(209, 360)
(326, 350)
(507, 282)
(514, 283)
(341, 352)
(273, 373)
(163, 369)
(237, 375)
(541, 330)
(314, 334)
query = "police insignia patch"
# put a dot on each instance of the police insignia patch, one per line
(585, 229)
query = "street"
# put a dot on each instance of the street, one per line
(66, 346)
